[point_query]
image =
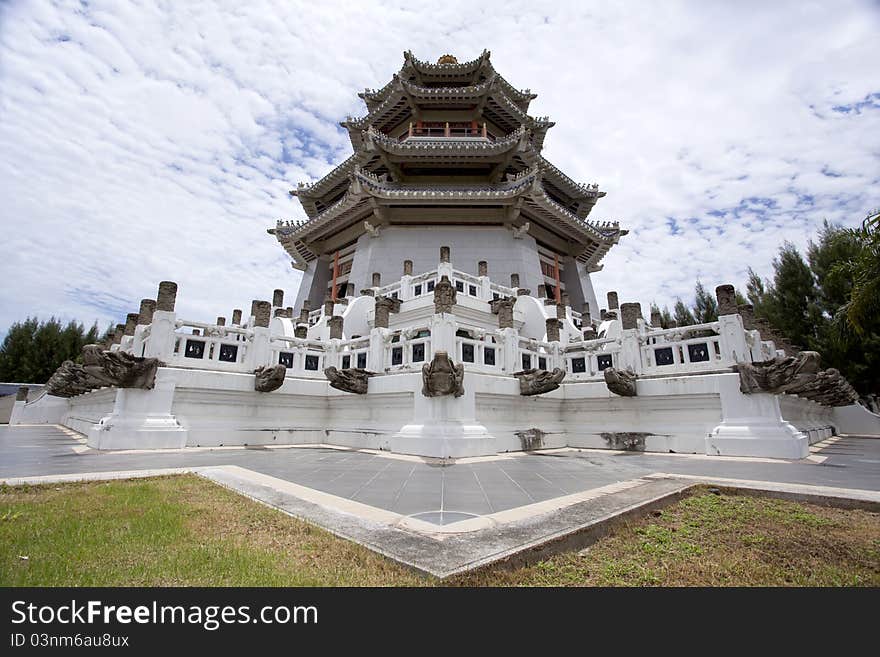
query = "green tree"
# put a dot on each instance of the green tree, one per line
(861, 267)
(682, 314)
(755, 290)
(835, 245)
(705, 305)
(791, 302)
(33, 350)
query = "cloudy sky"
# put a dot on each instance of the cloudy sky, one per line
(148, 141)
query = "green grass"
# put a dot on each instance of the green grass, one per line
(719, 540)
(186, 531)
(172, 531)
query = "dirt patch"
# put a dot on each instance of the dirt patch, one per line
(630, 441)
(531, 439)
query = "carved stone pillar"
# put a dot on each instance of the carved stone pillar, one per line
(504, 309)
(277, 298)
(747, 312)
(262, 313)
(630, 314)
(612, 301)
(384, 307)
(377, 279)
(407, 267)
(221, 321)
(145, 316)
(552, 329)
(336, 327)
(300, 331)
(236, 317)
(523, 292)
(656, 319)
(167, 296)
(514, 281)
(482, 268)
(726, 296)
(328, 307)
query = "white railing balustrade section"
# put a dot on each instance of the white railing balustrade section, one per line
(679, 348)
(535, 354)
(302, 357)
(477, 287)
(408, 350)
(587, 359)
(482, 354)
(215, 348)
(353, 353)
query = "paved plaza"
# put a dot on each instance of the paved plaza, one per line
(478, 509)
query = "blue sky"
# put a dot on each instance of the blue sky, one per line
(146, 141)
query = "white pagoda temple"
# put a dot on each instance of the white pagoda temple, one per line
(446, 310)
(447, 155)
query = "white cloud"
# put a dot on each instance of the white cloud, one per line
(144, 142)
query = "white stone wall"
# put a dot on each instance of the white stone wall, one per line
(469, 245)
(85, 411)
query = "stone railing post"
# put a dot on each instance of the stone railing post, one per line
(161, 342)
(21, 396)
(128, 332)
(236, 317)
(336, 323)
(734, 347)
(510, 347)
(485, 282)
(444, 268)
(612, 301)
(552, 329)
(382, 311)
(278, 298)
(258, 352)
(145, 318)
(630, 346)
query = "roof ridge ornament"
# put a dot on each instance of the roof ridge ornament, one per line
(447, 59)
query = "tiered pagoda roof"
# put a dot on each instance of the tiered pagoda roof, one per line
(490, 155)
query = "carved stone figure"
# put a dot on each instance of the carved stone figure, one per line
(537, 382)
(351, 379)
(119, 369)
(620, 382)
(779, 375)
(372, 231)
(269, 378)
(504, 309)
(441, 377)
(70, 380)
(797, 375)
(445, 296)
(383, 309)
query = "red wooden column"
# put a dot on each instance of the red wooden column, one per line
(556, 276)
(335, 274)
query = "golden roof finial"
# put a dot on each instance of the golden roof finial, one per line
(447, 59)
